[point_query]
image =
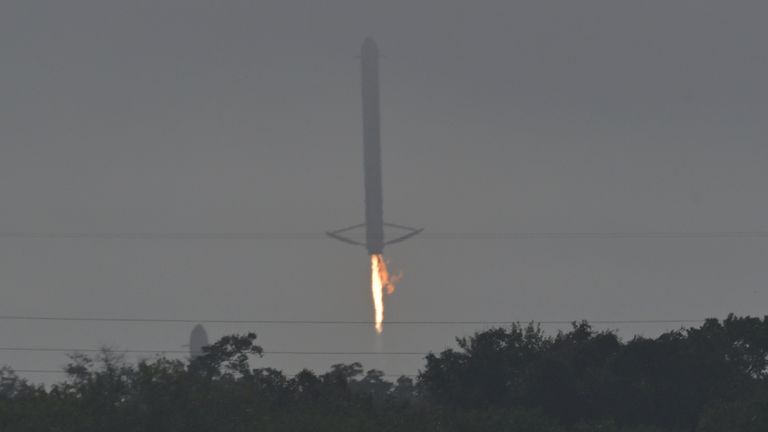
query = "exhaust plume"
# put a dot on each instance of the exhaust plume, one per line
(380, 280)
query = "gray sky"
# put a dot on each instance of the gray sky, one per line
(498, 117)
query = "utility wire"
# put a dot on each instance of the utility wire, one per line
(425, 235)
(54, 371)
(331, 322)
(176, 351)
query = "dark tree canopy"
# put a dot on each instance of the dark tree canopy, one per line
(707, 379)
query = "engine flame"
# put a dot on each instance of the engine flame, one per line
(380, 280)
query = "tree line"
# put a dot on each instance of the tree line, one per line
(712, 378)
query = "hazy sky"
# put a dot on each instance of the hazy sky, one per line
(191, 116)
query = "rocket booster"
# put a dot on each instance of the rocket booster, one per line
(374, 203)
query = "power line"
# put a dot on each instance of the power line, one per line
(176, 351)
(364, 353)
(332, 322)
(62, 372)
(426, 235)
(603, 235)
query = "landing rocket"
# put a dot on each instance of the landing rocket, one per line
(374, 201)
(374, 224)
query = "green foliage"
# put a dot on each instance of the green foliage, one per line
(13, 387)
(708, 379)
(584, 375)
(228, 356)
(746, 413)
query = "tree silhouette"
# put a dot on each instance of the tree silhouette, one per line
(710, 378)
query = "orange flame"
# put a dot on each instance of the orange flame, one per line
(380, 280)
